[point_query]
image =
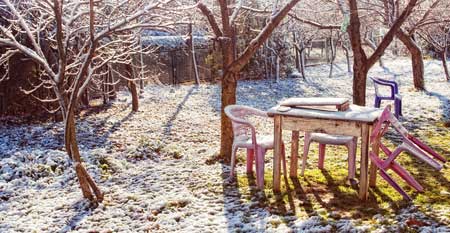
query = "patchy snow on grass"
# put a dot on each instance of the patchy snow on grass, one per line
(152, 164)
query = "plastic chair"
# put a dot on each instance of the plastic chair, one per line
(349, 141)
(245, 136)
(394, 94)
(409, 144)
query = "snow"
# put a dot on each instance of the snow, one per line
(354, 113)
(152, 165)
(293, 102)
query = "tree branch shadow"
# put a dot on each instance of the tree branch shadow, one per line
(168, 125)
(72, 222)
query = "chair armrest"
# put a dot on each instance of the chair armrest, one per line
(383, 82)
(392, 82)
(258, 112)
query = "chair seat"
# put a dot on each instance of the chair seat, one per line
(264, 141)
(330, 139)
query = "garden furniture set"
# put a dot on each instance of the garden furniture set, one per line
(330, 121)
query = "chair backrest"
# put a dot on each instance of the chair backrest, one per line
(379, 82)
(385, 120)
(239, 116)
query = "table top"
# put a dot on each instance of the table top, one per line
(314, 101)
(354, 113)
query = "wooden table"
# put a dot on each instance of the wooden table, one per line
(356, 121)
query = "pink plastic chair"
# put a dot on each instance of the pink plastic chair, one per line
(245, 137)
(323, 139)
(410, 144)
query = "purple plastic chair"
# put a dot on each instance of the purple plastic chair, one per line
(409, 144)
(394, 95)
(245, 136)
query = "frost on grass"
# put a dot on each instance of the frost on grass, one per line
(152, 164)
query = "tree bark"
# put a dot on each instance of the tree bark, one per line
(133, 89)
(416, 59)
(359, 83)
(302, 60)
(444, 64)
(347, 57)
(134, 96)
(88, 187)
(297, 58)
(359, 56)
(229, 85)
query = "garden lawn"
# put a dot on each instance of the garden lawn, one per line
(158, 173)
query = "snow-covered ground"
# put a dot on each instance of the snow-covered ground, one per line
(152, 165)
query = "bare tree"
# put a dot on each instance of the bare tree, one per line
(233, 63)
(426, 14)
(361, 62)
(438, 36)
(81, 33)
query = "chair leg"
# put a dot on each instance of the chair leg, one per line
(307, 143)
(379, 163)
(233, 160)
(260, 152)
(377, 102)
(250, 158)
(352, 158)
(394, 184)
(321, 155)
(406, 176)
(398, 107)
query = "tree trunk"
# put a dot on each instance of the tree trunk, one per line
(87, 184)
(133, 89)
(141, 76)
(360, 68)
(333, 54)
(277, 69)
(373, 46)
(347, 57)
(134, 96)
(359, 83)
(228, 97)
(297, 58)
(229, 85)
(85, 98)
(112, 80)
(444, 63)
(416, 59)
(302, 60)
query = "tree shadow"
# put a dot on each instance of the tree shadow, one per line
(85, 210)
(445, 102)
(301, 195)
(255, 209)
(168, 125)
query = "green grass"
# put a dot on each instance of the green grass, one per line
(322, 192)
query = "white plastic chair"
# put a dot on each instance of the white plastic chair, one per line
(245, 136)
(349, 141)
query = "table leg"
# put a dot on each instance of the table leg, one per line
(363, 181)
(294, 154)
(277, 153)
(373, 168)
